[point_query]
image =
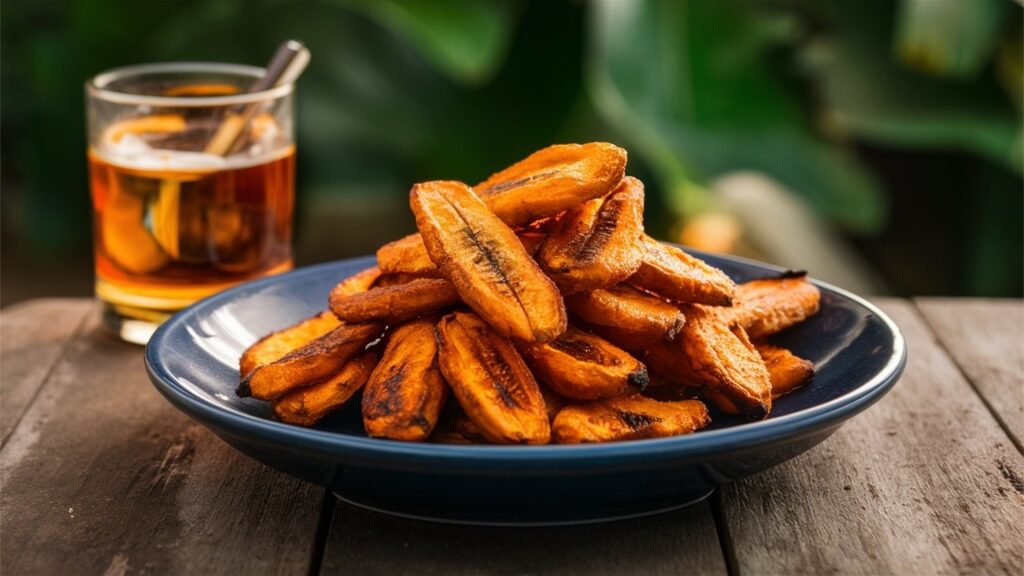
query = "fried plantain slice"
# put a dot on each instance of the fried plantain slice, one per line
(674, 274)
(307, 406)
(354, 284)
(487, 263)
(395, 304)
(628, 418)
(764, 307)
(634, 316)
(454, 427)
(595, 245)
(552, 180)
(491, 381)
(310, 364)
(406, 391)
(582, 366)
(786, 370)
(723, 359)
(407, 255)
(275, 345)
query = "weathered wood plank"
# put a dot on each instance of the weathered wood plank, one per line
(985, 338)
(102, 475)
(924, 482)
(368, 543)
(33, 335)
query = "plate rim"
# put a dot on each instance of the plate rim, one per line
(397, 454)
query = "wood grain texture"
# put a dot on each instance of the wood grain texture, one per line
(103, 475)
(924, 482)
(985, 338)
(369, 543)
(33, 335)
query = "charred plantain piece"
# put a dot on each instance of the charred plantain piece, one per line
(487, 263)
(636, 317)
(722, 358)
(491, 381)
(407, 255)
(310, 364)
(787, 370)
(395, 304)
(595, 245)
(356, 283)
(552, 180)
(582, 366)
(307, 406)
(406, 392)
(674, 274)
(274, 346)
(628, 418)
(764, 307)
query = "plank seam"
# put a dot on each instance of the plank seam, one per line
(732, 567)
(49, 373)
(323, 529)
(963, 372)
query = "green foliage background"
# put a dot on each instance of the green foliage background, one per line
(897, 124)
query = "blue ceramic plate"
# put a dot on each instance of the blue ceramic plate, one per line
(193, 360)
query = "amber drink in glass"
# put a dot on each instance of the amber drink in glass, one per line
(177, 215)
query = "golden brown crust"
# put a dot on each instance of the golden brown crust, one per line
(407, 255)
(491, 381)
(628, 418)
(307, 406)
(406, 392)
(723, 359)
(595, 245)
(676, 275)
(486, 262)
(275, 345)
(582, 366)
(354, 284)
(310, 364)
(638, 316)
(786, 370)
(552, 180)
(398, 303)
(764, 307)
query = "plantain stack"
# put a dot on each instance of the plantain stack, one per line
(533, 308)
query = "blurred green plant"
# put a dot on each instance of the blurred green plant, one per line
(699, 91)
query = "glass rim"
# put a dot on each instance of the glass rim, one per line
(96, 87)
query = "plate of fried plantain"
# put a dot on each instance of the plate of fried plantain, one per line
(529, 356)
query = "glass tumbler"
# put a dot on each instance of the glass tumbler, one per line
(192, 179)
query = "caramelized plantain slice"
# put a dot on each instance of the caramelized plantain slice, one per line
(634, 317)
(491, 381)
(354, 284)
(722, 358)
(310, 364)
(454, 427)
(582, 366)
(628, 418)
(674, 274)
(274, 346)
(787, 370)
(406, 255)
(307, 406)
(552, 180)
(406, 392)
(764, 307)
(595, 245)
(487, 263)
(394, 304)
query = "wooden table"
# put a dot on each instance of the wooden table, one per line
(100, 475)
